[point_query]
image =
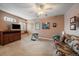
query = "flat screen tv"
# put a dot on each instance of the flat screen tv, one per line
(15, 27)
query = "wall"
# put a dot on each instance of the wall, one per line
(30, 26)
(73, 11)
(4, 25)
(48, 33)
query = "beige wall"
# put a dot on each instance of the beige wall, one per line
(4, 25)
(48, 33)
(73, 11)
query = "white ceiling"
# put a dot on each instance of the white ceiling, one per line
(27, 11)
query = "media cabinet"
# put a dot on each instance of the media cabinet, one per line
(9, 36)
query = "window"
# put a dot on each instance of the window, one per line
(37, 26)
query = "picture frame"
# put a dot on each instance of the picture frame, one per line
(73, 19)
(54, 25)
(72, 26)
(46, 25)
(73, 23)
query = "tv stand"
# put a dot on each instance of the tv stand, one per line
(9, 36)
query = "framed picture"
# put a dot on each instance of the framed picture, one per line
(54, 24)
(46, 25)
(73, 19)
(73, 23)
(72, 26)
(37, 26)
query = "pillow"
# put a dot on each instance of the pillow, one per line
(75, 42)
(67, 36)
(66, 40)
(73, 38)
(76, 47)
(70, 43)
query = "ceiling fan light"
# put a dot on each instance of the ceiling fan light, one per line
(40, 13)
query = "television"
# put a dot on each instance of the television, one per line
(15, 27)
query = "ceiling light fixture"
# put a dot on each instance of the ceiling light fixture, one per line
(42, 8)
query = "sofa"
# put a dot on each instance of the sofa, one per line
(69, 45)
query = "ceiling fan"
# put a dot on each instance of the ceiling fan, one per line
(41, 8)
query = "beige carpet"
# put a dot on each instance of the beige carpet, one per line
(26, 47)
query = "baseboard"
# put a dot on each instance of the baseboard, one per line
(45, 38)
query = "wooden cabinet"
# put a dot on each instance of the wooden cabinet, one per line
(9, 36)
